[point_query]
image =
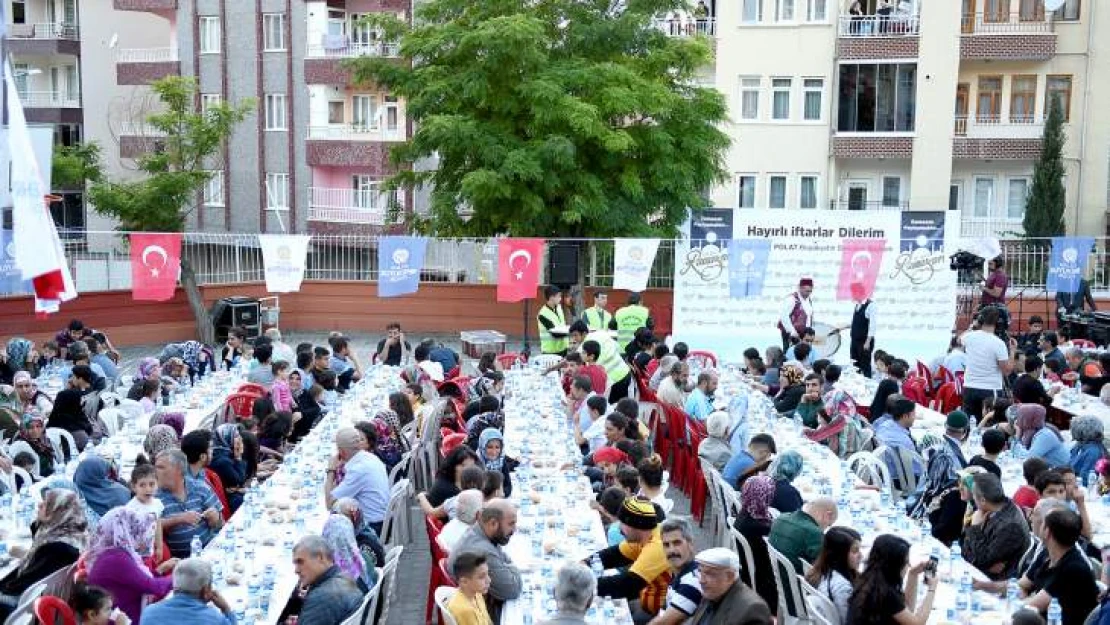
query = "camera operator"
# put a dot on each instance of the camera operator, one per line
(994, 286)
(989, 359)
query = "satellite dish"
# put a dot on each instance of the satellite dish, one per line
(1052, 5)
(113, 41)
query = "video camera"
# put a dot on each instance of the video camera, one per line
(1002, 328)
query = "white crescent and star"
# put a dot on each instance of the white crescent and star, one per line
(159, 251)
(526, 255)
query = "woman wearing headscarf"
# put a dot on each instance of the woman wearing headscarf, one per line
(339, 532)
(786, 467)
(479, 423)
(367, 539)
(20, 357)
(1041, 439)
(491, 450)
(59, 534)
(839, 425)
(227, 461)
(392, 444)
(175, 420)
(61, 482)
(33, 432)
(754, 524)
(115, 560)
(95, 479)
(19, 399)
(940, 500)
(790, 395)
(148, 369)
(1089, 448)
(160, 438)
(716, 449)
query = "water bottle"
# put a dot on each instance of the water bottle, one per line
(1092, 483)
(595, 566)
(195, 547)
(1013, 596)
(1055, 615)
(954, 556)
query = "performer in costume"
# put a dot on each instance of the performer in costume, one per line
(797, 314)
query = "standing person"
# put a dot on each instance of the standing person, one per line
(598, 348)
(1071, 303)
(994, 286)
(551, 316)
(393, 350)
(988, 360)
(630, 318)
(598, 317)
(863, 330)
(797, 314)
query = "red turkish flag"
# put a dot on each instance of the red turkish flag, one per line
(518, 268)
(860, 261)
(155, 264)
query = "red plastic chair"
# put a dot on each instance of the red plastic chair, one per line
(436, 579)
(217, 486)
(1083, 344)
(705, 359)
(454, 372)
(698, 488)
(914, 389)
(50, 610)
(508, 359)
(454, 386)
(926, 373)
(241, 404)
(947, 398)
(680, 447)
(251, 387)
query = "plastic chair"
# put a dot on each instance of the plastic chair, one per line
(113, 419)
(947, 398)
(698, 489)
(50, 610)
(132, 409)
(702, 359)
(914, 389)
(20, 472)
(1083, 344)
(395, 528)
(508, 359)
(110, 399)
(436, 575)
(744, 549)
(251, 387)
(821, 608)
(792, 605)
(241, 404)
(18, 447)
(443, 596)
(870, 468)
(56, 436)
(382, 597)
(217, 486)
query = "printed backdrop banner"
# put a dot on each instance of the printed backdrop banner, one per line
(860, 260)
(632, 260)
(922, 229)
(745, 273)
(284, 257)
(400, 260)
(914, 290)
(155, 264)
(11, 278)
(518, 268)
(1068, 263)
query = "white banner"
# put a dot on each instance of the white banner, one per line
(632, 260)
(284, 257)
(914, 294)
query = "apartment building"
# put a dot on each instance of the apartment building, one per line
(315, 153)
(913, 104)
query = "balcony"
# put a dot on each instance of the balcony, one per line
(990, 137)
(142, 66)
(350, 145)
(138, 139)
(878, 36)
(323, 63)
(154, 6)
(51, 107)
(1012, 36)
(872, 145)
(368, 207)
(998, 227)
(868, 205)
(44, 39)
(689, 27)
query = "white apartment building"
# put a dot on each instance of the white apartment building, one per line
(933, 105)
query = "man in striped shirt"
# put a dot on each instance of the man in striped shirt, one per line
(684, 593)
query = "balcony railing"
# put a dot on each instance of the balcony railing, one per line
(870, 205)
(50, 100)
(342, 48)
(690, 27)
(47, 30)
(371, 207)
(989, 126)
(1004, 24)
(356, 132)
(879, 25)
(999, 227)
(138, 129)
(147, 55)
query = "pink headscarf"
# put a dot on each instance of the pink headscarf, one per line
(122, 528)
(1030, 420)
(756, 495)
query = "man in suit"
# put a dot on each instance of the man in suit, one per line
(725, 599)
(575, 587)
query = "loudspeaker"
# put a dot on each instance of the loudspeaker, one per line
(562, 264)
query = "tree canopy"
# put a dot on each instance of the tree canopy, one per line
(1044, 208)
(552, 118)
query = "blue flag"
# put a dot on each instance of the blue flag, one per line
(400, 260)
(747, 264)
(11, 278)
(1068, 263)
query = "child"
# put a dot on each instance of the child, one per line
(149, 401)
(468, 604)
(494, 487)
(24, 460)
(92, 605)
(994, 441)
(280, 391)
(593, 437)
(144, 483)
(491, 447)
(49, 356)
(610, 502)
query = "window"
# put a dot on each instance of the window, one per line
(365, 111)
(1017, 191)
(1069, 11)
(1031, 11)
(277, 192)
(337, 112)
(208, 100)
(988, 105)
(807, 191)
(892, 192)
(776, 197)
(275, 111)
(877, 98)
(209, 34)
(1058, 91)
(996, 11)
(954, 196)
(747, 191)
(392, 113)
(984, 197)
(214, 190)
(814, 91)
(273, 32)
(780, 98)
(816, 11)
(73, 84)
(19, 11)
(784, 10)
(749, 97)
(1023, 99)
(752, 11)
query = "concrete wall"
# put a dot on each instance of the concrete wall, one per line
(937, 65)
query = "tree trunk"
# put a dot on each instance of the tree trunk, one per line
(205, 331)
(578, 290)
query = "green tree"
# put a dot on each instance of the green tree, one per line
(1044, 208)
(175, 173)
(558, 118)
(72, 166)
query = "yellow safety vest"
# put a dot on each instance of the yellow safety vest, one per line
(597, 319)
(616, 369)
(549, 343)
(629, 319)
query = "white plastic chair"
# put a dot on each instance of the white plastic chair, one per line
(132, 410)
(741, 546)
(821, 608)
(110, 399)
(443, 596)
(28, 481)
(395, 473)
(56, 436)
(870, 467)
(792, 606)
(382, 593)
(396, 515)
(19, 447)
(113, 419)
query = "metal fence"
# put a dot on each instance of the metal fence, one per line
(101, 260)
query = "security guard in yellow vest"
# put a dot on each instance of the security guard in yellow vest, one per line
(599, 348)
(629, 319)
(551, 316)
(597, 318)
